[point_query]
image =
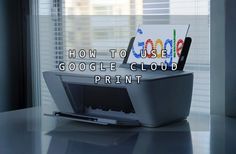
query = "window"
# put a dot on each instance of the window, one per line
(80, 24)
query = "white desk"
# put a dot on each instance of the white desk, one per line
(28, 132)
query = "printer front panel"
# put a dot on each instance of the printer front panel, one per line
(152, 102)
(109, 100)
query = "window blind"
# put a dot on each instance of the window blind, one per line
(105, 24)
(199, 56)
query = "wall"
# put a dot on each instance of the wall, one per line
(217, 60)
(230, 53)
(4, 75)
(12, 56)
(223, 53)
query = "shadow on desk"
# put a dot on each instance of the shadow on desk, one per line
(175, 138)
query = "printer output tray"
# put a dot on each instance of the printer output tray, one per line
(95, 119)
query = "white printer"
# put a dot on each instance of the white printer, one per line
(161, 97)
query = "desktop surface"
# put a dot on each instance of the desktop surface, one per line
(28, 131)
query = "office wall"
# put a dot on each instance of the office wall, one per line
(230, 54)
(217, 60)
(223, 54)
(4, 89)
(12, 56)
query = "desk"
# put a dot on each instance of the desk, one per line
(28, 132)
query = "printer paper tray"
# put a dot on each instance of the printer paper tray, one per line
(94, 119)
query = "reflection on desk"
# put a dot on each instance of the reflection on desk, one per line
(174, 138)
(28, 132)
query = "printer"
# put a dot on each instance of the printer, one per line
(161, 97)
